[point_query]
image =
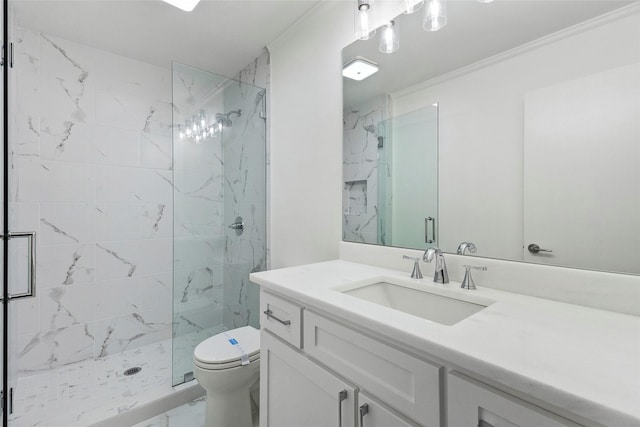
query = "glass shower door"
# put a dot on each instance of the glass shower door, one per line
(219, 207)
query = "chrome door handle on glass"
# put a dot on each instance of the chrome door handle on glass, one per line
(270, 315)
(429, 222)
(31, 239)
(534, 249)
(342, 396)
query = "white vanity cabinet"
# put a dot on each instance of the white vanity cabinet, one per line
(339, 377)
(319, 372)
(472, 403)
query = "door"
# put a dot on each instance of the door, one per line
(297, 392)
(581, 180)
(18, 246)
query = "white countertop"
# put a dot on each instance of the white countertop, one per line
(584, 360)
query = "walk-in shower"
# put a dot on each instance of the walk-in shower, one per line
(136, 262)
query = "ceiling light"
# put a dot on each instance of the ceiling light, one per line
(186, 5)
(389, 38)
(359, 69)
(435, 15)
(410, 6)
(364, 30)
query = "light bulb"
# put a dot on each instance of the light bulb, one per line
(180, 133)
(197, 139)
(187, 125)
(203, 119)
(410, 6)
(390, 38)
(363, 27)
(435, 15)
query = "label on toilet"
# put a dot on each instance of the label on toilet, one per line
(244, 357)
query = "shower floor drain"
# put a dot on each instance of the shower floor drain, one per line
(132, 371)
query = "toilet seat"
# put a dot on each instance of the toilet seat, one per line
(225, 350)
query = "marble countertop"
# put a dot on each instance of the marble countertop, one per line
(583, 360)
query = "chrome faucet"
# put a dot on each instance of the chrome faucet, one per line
(416, 273)
(466, 246)
(440, 275)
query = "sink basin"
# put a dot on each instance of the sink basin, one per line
(442, 307)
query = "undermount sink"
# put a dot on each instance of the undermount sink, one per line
(442, 307)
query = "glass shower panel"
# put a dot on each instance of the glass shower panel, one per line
(219, 207)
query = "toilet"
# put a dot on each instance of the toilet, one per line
(227, 366)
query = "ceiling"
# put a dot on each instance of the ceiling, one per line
(475, 31)
(218, 36)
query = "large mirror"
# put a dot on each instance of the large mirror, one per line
(527, 115)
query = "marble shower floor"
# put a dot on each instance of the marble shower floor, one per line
(86, 392)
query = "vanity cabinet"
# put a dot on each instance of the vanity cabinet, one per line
(317, 372)
(472, 403)
(337, 376)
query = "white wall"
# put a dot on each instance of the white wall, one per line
(306, 135)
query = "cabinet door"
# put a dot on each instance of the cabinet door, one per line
(372, 414)
(296, 392)
(471, 404)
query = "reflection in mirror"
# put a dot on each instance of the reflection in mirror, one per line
(390, 176)
(537, 137)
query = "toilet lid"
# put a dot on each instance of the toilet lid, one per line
(229, 346)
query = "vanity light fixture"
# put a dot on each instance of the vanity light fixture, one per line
(435, 15)
(359, 69)
(410, 6)
(364, 29)
(390, 38)
(186, 5)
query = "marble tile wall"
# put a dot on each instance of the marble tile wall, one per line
(361, 208)
(91, 159)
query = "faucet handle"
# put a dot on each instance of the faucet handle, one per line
(416, 273)
(467, 282)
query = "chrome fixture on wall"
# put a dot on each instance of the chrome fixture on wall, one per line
(199, 128)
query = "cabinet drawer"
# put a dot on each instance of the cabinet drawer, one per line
(472, 403)
(282, 317)
(373, 414)
(409, 385)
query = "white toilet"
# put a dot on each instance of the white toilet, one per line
(218, 367)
